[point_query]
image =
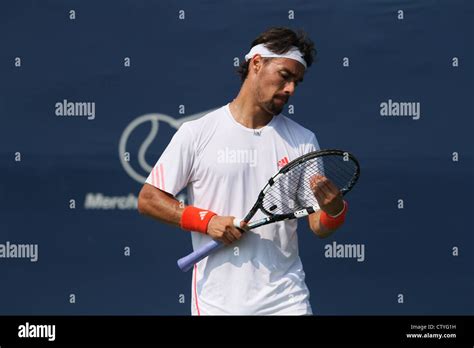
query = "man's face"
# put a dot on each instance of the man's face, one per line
(276, 82)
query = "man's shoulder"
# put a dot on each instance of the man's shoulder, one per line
(203, 126)
(204, 118)
(296, 128)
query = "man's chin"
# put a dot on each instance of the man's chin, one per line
(277, 111)
(274, 109)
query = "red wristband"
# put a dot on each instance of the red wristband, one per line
(195, 219)
(333, 222)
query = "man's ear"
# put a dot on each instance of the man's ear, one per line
(256, 63)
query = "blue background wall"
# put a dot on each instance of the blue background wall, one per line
(190, 62)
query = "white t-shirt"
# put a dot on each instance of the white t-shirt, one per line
(224, 166)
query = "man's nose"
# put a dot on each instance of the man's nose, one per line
(289, 88)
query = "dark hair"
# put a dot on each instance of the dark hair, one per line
(280, 40)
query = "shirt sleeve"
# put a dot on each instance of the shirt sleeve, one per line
(173, 170)
(310, 145)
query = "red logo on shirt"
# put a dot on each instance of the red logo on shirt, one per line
(283, 162)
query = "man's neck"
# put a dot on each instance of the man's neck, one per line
(247, 113)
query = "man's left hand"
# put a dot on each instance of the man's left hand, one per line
(327, 194)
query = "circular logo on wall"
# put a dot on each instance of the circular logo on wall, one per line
(154, 120)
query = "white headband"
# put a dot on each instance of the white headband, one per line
(294, 53)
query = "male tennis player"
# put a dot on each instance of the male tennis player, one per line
(224, 159)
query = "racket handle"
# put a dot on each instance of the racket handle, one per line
(237, 222)
(187, 262)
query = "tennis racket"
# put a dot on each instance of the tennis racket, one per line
(288, 194)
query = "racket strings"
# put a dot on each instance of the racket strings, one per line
(292, 191)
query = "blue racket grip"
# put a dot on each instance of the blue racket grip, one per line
(187, 262)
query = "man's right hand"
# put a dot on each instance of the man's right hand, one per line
(222, 228)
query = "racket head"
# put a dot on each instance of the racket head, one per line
(289, 191)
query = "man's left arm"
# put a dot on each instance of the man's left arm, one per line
(315, 224)
(333, 208)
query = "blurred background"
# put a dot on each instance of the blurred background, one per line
(68, 184)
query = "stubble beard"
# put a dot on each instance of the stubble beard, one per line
(269, 105)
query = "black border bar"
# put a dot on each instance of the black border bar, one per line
(135, 330)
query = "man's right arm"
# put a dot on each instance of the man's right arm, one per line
(159, 205)
(163, 207)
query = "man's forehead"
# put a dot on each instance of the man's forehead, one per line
(293, 66)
